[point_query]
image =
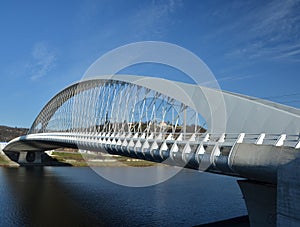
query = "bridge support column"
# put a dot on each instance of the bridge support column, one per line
(38, 157)
(260, 200)
(30, 158)
(288, 198)
(22, 158)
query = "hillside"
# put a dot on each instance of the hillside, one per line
(9, 133)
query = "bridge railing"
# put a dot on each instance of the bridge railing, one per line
(203, 151)
(292, 141)
(226, 139)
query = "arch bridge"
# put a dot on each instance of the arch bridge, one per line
(171, 122)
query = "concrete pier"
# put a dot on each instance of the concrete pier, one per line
(260, 200)
(30, 158)
(288, 195)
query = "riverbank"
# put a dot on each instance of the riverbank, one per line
(6, 162)
(76, 159)
(97, 159)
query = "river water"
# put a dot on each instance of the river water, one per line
(77, 196)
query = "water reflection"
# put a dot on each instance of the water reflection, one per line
(64, 196)
(42, 200)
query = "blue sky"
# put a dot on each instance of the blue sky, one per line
(252, 47)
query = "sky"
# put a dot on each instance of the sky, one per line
(252, 47)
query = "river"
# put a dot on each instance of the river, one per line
(77, 196)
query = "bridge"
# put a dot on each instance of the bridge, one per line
(180, 124)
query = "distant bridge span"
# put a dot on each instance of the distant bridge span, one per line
(172, 122)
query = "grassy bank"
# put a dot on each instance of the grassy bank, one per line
(86, 159)
(78, 159)
(5, 161)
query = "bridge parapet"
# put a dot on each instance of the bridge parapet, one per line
(203, 151)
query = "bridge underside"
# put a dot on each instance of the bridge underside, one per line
(259, 162)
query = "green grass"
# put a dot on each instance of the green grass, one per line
(76, 159)
(5, 162)
(61, 155)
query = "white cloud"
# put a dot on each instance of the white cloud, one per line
(272, 31)
(153, 19)
(43, 60)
